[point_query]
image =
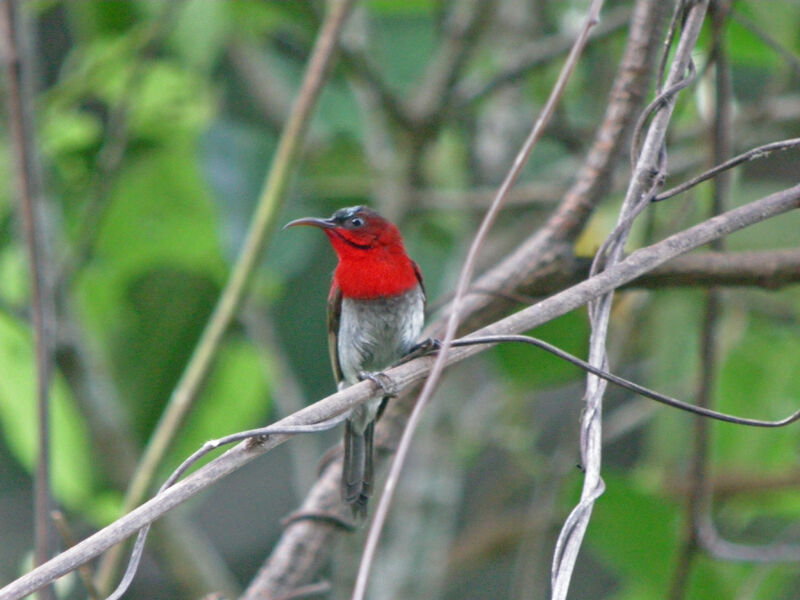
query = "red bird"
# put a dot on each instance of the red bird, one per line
(376, 309)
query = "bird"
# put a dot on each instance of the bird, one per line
(376, 310)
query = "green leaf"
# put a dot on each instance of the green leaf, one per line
(72, 466)
(201, 31)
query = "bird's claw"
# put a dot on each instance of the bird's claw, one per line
(426, 346)
(382, 380)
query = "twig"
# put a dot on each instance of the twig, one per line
(698, 409)
(643, 182)
(541, 253)
(464, 279)
(270, 199)
(404, 376)
(755, 153)
(84, 570)
(699, 499)
(361, 67)
(253, 438)
(25, 156)
(306, 591)
(463, 26)
(268, 91)
(721, 548)
(539, 53)
(768, 269)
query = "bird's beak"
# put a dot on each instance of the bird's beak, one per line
(312, 222)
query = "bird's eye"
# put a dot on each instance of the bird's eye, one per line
(356, 222)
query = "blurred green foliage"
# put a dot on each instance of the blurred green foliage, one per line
(155, 139)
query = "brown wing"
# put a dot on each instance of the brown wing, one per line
(418, 273)
(334, 314)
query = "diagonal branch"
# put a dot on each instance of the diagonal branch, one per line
(545, 251)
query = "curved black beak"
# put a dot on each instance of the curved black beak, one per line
(312, 222)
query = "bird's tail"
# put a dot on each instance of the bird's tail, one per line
(357, 468)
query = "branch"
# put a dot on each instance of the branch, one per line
(645, 179)
(463, 27)
(462, 285)
(538, 54)
(544, 252)
(26, 171)
(699, 499)
(760, 152)
(768, 269)
(109, 158)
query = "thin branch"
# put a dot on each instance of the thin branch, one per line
(307, 591)
(260, 82)
(755, 153)
(538, 54)
(542, 253)
(253, 437)
(698, 409)
(698, 504)
(29, 201)
(462, 285)
(270, 200)
(644, 181)
(720, 548)
(85, 571)
(727, 484)
(361, 67)
(768, 269)
(463, 27)
(403, 376)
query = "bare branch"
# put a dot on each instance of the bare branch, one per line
(543, 253)
(462, 286)
(29, 192)
(463, 27)
(698, 503)
(760, 152)
(537, 54)
(644, 181)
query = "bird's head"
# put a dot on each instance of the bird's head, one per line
(372, 259)
(356, 230)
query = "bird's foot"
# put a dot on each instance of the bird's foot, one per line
(426, 346)
(423, 348)
(382, 380)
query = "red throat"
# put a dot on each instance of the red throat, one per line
(372, 272)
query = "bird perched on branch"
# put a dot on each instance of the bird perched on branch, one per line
(376, 310)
